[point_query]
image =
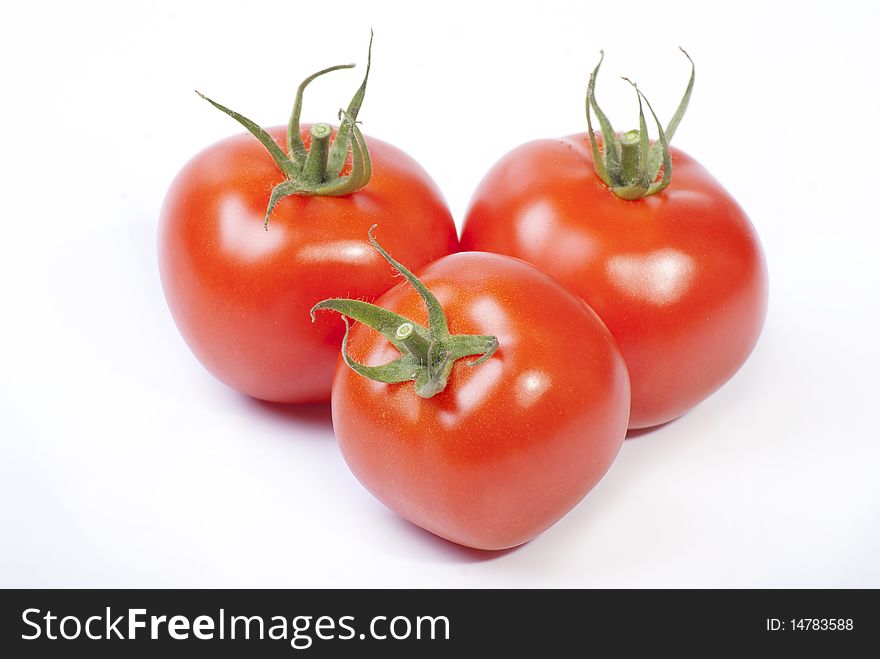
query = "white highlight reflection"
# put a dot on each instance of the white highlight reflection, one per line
(481, 384)
(242, 232)
(345, 251)
(660, 277)
(532, 228)
(568, 247)
(530, 386)
(490, 313)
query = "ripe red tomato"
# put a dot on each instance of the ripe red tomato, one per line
(512, 443)
(241, 294)
(678, 277)
(648, 238)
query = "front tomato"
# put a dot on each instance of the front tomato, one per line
(240, 292)
(492, 453)
(678, 275)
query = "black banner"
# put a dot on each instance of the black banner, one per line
(431, 623)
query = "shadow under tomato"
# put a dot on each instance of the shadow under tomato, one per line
(446, 550)
(636, 433)
(310, 415)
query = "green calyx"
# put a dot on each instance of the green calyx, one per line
(316, 171)
(629, 164)
(427, 354)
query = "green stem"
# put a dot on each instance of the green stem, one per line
(318, 171)
(427, 354)
(316, 161)
(630, 159)
(296, 150)
(417, 345)
(628, 164)
(340, 148)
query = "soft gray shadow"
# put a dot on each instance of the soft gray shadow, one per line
(636, 433)
(311, 415)
(445, 550)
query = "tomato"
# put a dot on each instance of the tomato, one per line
(678, 276)
(240, 293)
(510, 444)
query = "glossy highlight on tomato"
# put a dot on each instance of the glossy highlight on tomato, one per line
(678, 277)
(511, 444)
(241, 293)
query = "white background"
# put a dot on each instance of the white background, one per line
(123, 463)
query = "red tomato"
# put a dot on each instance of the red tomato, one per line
(241, 295)
(678, 277)
(511, 444)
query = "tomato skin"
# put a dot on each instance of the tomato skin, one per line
(678, 277)
(241, 295)
(511, 444)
